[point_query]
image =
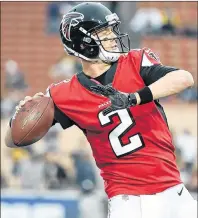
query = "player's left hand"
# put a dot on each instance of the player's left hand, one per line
(119, 100)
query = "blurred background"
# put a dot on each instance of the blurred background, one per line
(57, 177)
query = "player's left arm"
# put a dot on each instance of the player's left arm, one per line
(171, 83)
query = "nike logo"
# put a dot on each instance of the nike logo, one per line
(179, 193)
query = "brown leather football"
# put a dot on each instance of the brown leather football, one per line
(32, 121)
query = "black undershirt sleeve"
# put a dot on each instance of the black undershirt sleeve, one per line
(153, 73)
(64, 120)
(61, 118)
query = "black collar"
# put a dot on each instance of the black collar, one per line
(87, 82)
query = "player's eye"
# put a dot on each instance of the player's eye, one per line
(106, 38)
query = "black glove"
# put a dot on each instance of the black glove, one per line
(118, 99)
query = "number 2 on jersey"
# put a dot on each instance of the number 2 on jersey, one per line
(115, 136)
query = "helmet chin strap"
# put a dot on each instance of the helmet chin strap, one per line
(108, 56)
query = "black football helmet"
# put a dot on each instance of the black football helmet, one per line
(79, 28)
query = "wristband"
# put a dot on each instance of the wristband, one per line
(146, 95)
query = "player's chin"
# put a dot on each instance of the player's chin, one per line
(114, 49)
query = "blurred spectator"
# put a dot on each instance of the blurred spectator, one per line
(192, 184)
(4, 183)
(31, 172)
(189, 32)
(17, 155)
(51, 139)
(53, 16)
(187, 143)
(147, 20)
(15, 86)
(155, 21)
(14, 77)
(170, 21)
(56, 176)
(65, 68)
(189, 95)
(85, 173)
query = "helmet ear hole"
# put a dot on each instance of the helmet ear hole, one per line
(90, 50)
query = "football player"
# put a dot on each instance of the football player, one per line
(115, 102)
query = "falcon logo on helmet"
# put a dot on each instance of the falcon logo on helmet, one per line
(70, 20)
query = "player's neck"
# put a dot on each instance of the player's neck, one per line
(94, 69)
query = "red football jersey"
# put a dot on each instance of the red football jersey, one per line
(132, 147)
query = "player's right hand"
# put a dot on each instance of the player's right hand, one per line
(26, 99)
(119, 100)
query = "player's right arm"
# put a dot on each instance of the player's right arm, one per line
(8, 137)
(59, 117)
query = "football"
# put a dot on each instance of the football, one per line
(32, 121)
